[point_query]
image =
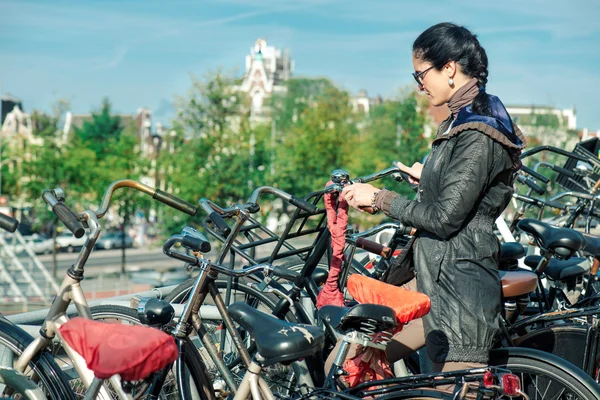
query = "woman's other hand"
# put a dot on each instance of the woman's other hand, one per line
(359, 195)
(414, 172)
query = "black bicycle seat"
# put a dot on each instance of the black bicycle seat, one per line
(352, 318)
(511, 251)
(592, 246)
(561, 242)
(561, 269)
(277, 340)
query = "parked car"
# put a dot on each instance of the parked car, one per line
(66, 241)
(114, 240)
(41, 245)
(37, 243)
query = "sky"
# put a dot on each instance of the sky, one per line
(144, 52)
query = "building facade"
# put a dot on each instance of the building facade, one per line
(267, 70)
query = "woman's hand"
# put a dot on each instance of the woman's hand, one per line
(359, 195)
(414, 172)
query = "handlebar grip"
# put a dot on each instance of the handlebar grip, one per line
(531, 184)
(175, 202)
(536, 175)
(69, 219)
(8, 223)
(373, 247)
(220, 223)
(406, 230)
(196, 244)
(303, 204)
(564, 171)
(369, 209)
(284, 273)
(555, 204)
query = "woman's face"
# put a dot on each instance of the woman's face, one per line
(432, 82)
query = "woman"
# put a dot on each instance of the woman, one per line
(464, 185)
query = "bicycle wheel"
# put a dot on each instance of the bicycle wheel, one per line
(565, 341)
(196, 374)
(544, 375)
(18, 386)
(42, 369)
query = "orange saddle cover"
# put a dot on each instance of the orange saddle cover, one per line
(371, 364)
(407, 304)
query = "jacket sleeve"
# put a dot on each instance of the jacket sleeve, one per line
(465, 179)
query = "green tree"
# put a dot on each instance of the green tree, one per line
(218, 155)
(393, 131)
(101, 132)
(316, 127)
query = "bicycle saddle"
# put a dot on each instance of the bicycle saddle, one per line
(353, 318)
(134, 352)
(561, 269)
(562, 242)
(517, 283)
(511, 251)
(277, 340)
(592, 246)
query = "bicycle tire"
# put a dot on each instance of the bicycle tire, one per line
(190, 355)
(52, 380)
(18, 386)
(553, 375)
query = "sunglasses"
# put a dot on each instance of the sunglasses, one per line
(419, 77)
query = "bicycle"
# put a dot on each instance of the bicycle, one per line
(26, 352)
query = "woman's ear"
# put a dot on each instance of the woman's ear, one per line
(450, 69)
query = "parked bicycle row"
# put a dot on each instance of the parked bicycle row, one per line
(226, 343)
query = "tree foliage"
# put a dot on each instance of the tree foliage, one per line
(215, 150)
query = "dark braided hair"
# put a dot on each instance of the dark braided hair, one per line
(447, 42)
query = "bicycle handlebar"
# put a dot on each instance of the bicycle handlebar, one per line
(553, 150)
(540, 202)
(63, 212)
(372, 247)
(580, 195)
(535, 174)
(7, 223)
(339, 186)
(157, 194)
(55, 199)
(532, 185)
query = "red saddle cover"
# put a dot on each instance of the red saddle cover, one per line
(133, 352)
(407, 304)
(369, 363)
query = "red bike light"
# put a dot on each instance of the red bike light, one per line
(488, 379)
(511, 385)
